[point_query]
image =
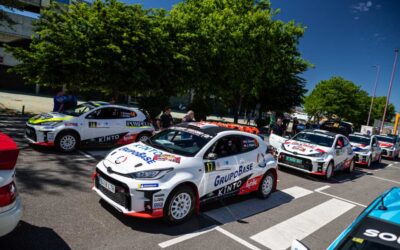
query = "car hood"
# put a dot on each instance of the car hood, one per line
(138, 157)
(304, 148)
(359, 146)
(49, 117)
(385, 144)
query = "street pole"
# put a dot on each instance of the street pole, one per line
(373, 95)
(396, 52)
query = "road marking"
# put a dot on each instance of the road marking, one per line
(185, 237)
(381, 178)
(300, 226)
(319, 190)
(237, 239)
(241, 210)
(86, 155)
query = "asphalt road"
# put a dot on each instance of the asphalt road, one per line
(61, 211)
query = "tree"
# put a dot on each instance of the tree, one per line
(238, 51)
(379, 107)
(338, 96)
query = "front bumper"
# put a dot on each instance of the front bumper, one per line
(310, 165)
(361, 159)
(138, 202)
(40, 135)
(10, 218)
(388, 153)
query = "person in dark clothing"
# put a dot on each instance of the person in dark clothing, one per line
(295, 124)
(279, 128)
(58, 100)
(166, 119)
(70, 102)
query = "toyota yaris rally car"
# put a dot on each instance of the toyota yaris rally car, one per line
(366, 148)
(317, 152)
(90, 124)
(390, 145)
(178, 169)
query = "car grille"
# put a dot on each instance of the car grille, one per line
(118, 197)
(30, 133)
(384, 152)
(356, 158)
(306, 163)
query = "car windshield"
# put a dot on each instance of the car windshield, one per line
(313, 138)
(359, 139)
(79, 110)
(386, 139)
(186, 142)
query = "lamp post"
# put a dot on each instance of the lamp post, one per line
(373, 95)
(396, 52)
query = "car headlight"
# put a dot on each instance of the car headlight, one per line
(52, 124)
(151, 174)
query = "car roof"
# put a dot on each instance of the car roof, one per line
(360, 135)
(321, 132)
(204, 127)
(391, 200)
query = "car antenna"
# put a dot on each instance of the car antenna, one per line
(382, 206)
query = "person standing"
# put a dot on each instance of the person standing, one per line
(58, 101)
(248, 119)
(189, 117)
(279, 128)
(166, 119)
(295, 124)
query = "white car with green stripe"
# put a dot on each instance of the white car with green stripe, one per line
(89, 124)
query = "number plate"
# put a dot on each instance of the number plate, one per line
(107, 185)
(294, 160)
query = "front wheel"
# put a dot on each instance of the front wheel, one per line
(180, 205)
(350, 169)
(369, 162)
(329, 171)
(67, 141)
(266, 186)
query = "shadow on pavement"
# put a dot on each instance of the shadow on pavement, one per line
(27, 236)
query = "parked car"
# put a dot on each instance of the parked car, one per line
(390, 145)
(377, 227)
(366, 148)
(317, 152)
(89, 124)
(10, 201)
(177, 170)
(336, 126)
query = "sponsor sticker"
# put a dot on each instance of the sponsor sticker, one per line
(158, 204)
(121, 159)
(148, 185)
(167, 157)
(133, 124)
(92, 124)
(141, 155)
(219, 180)
(209, 166)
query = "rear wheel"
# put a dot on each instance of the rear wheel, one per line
(67, 141)
(180, 205)
(143, 137)
(267, 185)
(369, 162)
(350, 169)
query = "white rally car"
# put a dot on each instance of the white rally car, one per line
(366, 148)
(390, 145)
(178, 169)
(89, 124)
(317, 152)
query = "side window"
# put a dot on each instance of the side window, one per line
(374, 142)
(248, 143)
(124, 113)
(346, 142)
(339, 142)
(227, 146)
(104, 113)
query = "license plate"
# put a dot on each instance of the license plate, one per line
(294, 160)
(107, 185)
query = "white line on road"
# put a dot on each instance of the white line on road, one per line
(319, 190)
(300, 226)
(384, 179)
(86, 155)
(237, 239)
(184, 237)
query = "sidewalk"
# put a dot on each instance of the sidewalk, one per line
(39, 104)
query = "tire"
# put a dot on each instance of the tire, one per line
(266, 185)
(380, 159)
(67, 141)
(180, 205)
(350, 169)
(369, 162)
(329, 171)
(143, 137)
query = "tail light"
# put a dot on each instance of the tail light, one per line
(8, 194)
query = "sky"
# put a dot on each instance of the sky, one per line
(343, 38)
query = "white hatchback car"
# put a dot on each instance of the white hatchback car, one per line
(390, 145)
(10, 202)
(366, 148)
(178, 169)
(90, 124)
(317, 152)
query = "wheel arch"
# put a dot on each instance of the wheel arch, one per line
(192, 186)
(275, 173)
(68, 130)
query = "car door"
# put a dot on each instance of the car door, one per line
(340, 152)
(221, 168)
(375, 150)
(103, 126)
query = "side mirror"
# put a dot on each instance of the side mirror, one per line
(298, 245)
(212, 156)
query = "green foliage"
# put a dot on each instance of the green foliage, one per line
(379, 107)
(345, 99)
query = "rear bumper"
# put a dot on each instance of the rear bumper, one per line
(10, 218)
